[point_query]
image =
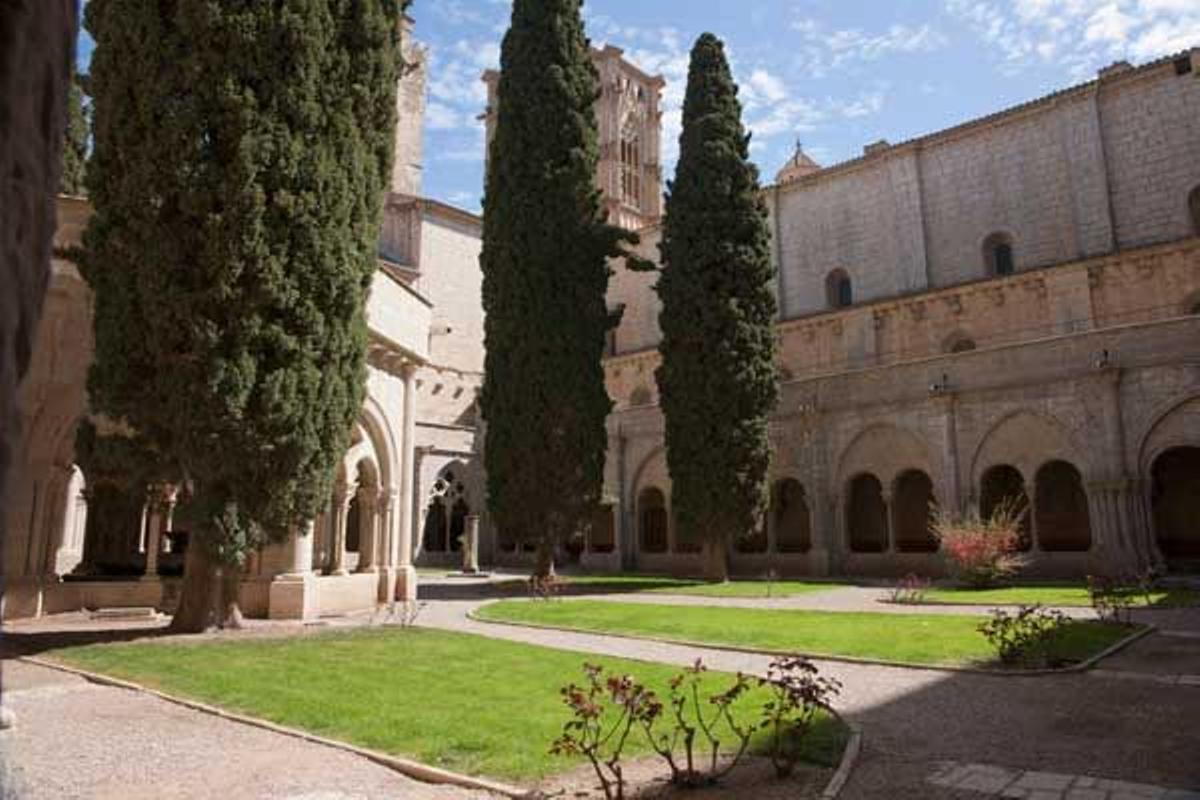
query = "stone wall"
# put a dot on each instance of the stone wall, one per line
(1091, 363)
(37, 44)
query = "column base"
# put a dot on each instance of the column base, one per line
(406, 584)
(149, 577)
(340, 572)
(293, 596)
(367, 570)
(387, 584)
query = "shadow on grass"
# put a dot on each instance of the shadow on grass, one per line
(14, 644)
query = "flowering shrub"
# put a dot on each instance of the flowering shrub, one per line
(687, 730)
(797, 694)
(981, 552)
(910, 590)
(1026, 636)
(604, 713)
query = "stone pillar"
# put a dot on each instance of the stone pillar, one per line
(341, 511)
(368, 529)
(388, 544)
(889, 525)
(1035, 542)
(470, 562)
(293, 594)
(156, 501)
(406, 576)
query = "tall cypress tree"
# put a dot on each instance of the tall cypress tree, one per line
(545, 275)
(74, 155)
(717, 377)
(238, 198)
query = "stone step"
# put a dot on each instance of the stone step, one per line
(128, 613)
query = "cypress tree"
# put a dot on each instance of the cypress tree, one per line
(545, 275)
(238, 197)
(717, 378)
(74, 155)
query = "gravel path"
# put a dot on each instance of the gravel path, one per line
(916, 720)
(76, 739)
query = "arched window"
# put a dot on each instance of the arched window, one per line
(789, 509)
(866, 515)
(1003, 486)
(652, 520)
(912, 504)
(1061, 509)
(1175, 499)
(631, 163)
(839, 291)
(998, 255)
(446, 515)
(1194, 208)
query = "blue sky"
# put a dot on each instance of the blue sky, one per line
(835, 74)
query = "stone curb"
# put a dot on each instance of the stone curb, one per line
(1082, 666)
(850, 756)
(412, 769)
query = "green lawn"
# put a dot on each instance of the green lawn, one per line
(1053, 595)
(911, 638)
(461, 702)
(657, 584)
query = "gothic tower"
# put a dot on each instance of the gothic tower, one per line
(410, 105)
(629, 119)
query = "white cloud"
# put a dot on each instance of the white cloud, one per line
(1080, 35)
(822, 50)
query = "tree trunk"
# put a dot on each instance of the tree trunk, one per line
(716, 562)
(544, 565)
(209, 597)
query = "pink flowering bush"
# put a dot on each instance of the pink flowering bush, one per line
(981, 552)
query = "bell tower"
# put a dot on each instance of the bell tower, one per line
(410, 106)
(629, 121)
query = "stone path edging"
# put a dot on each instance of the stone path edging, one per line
(412, 769)
(850, 754)
(1082, 666)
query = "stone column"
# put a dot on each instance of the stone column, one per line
(341, 510)
(1035, 541)
(156, 502)
(368, 529)
(406, 576)
(293, 594)
(470, 562)
(889, 525)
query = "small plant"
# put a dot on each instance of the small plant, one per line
(545, 587)
(605, 711)
(981, 552)
(910, 590)
(771, 577)
(690, 722)
(403, 613)
(1112, 598)
(1026, 636)
(798, 693)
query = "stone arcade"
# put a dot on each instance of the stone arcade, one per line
(1006, 309)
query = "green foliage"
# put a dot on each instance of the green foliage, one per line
(241, 153)
(74, 154)
(545, 276)
(717, 378)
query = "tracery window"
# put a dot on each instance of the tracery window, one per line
(631, 163)
(446, 515)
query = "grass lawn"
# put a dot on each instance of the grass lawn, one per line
(911, 638)
(656, 584)
(461, 702)
(1053, 595)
